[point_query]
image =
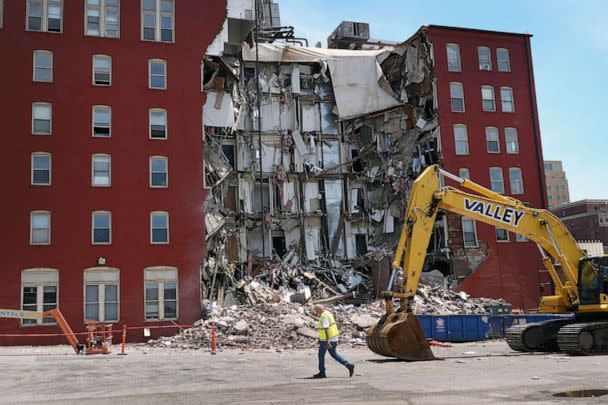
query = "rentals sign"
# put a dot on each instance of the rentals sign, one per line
(509, 216)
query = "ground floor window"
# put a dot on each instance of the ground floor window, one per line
(101, 294)
(39, 292)
(161, 297)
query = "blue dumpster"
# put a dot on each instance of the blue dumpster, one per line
(455, 328)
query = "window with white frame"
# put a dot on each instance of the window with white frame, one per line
(1, 13)
(161, 297)
(516, 180)
(457, 97)
(496, 180)
(102, 118)
(44, 15)
(43, 66)
(102, 18)
(101, 294)
(39, 293)
(502, 235)
(158, 123)
(464, 174)
(157, 70)
(158, 20)
(159, 176)
(521, 238)
(101, 232)
(41, 118)
(485, 59)
(492, 140)
(487, 98)
(102, 70)
(511, 140)
(502, 60)
(506, 98)
(159, 227)
(41, 169)
(461, 139)
(40, 228)
(453, 51)
(469, 232)
(101, 169)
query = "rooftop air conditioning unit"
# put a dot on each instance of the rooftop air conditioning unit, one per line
(485, 66)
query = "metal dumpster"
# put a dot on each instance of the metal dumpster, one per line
(455, 328)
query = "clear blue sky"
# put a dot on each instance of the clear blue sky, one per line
(569, 50)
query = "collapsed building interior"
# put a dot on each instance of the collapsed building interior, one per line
(313, 185)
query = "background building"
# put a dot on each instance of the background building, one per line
(558, 192)
(103, 106)
(587, 220)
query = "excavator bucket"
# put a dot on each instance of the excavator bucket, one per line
(399, 335)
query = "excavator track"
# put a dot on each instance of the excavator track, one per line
(535, 337)
(584, 339)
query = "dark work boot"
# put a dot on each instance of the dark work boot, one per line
(319, 375)
(351, 369)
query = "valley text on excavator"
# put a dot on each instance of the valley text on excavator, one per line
(98, 340)
(581, 283)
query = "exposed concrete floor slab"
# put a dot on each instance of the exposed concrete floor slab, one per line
(471, 373)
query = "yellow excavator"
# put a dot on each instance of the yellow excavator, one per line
(581, 283)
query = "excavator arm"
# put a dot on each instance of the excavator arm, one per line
(398, 334)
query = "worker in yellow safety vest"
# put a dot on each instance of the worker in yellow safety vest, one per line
(328, 341)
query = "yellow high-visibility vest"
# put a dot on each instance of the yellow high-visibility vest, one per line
(333, 327)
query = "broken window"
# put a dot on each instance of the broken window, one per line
(453, 57)
(469, 232)
(512, 141)
(228, 150)
(331, 155)
(356, 200)
(485, 60)
(457, 97)
(464, 174)
(502, 235)
(312, 238)
(492, 140)
(506, 97)
(496, 180)
(329, 120)
(278, 244)
(361, 244)
(312, 202)
(333, 204)
(516, 180)
(461, 139)
(487, 98)
(357, 165)
(502, 60)
(261, 196)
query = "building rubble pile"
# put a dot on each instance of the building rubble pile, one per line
(274, 323)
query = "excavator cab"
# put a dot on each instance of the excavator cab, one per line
(593, 279)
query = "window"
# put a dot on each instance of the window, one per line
(485, 60)
(39, 293)
(1, 13)
(502, 60)
(41, 118)
(487, 98)
(469, 232)
(548, 188)
(516, 181)
(502, 235)
(492, 140)
(158, 123)
(457, 97)
(512, 140)
(160, 293)
(102, 18)
(102, 117)
(102, 228)
(158, 172)
(41, 169)
(521, 238)
(506, 97)
(159, 227)
(43, 66)
(453, 57)
(158, 20)
(101, 170)
(464, 174)
(44, 15)
(157, 70)
(40, 228)
(496, 180)
(101, 294)
(102, 70)
(461, 139)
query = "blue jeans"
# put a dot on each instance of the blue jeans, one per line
(332, 352)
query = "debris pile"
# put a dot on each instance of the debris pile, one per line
(436, 300)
